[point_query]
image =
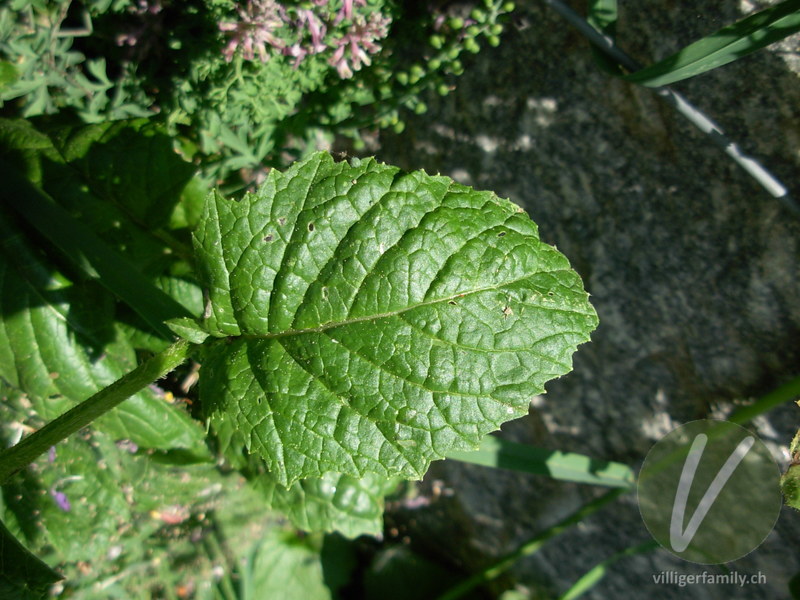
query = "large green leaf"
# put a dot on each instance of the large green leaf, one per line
(376, 320)
(59, 344)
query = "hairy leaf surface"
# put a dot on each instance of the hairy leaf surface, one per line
(376, 320)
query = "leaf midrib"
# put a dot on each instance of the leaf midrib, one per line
(393, 313)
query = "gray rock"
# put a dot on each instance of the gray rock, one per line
(692, 267)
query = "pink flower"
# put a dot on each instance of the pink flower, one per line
(255, 30)
(346, 12)
(354, 48)
(307, 19)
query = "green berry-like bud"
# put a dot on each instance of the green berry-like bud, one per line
(399, 127)
(434, 64)
(493, 40)
(443, 89)
(453, 52)
(421, 108)
(456, 23)
(508, 7)
(473, 30)
(478, 15)
(471, 46)
(496, 29)
(436, 41)
(402, 78)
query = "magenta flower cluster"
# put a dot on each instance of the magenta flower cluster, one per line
(264, 26)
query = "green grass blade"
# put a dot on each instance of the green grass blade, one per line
(785, 393)
(567, 466)
(726, 45)
(592, 577)
(89, 253)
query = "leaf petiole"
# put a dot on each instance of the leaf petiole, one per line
(22, 454)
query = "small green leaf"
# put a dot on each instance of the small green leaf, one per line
(188, 329)
(333, 502)
(377, 320)
(724, 46)
(8, 74)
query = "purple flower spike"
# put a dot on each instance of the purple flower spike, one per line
(51, 454)
(61, 500)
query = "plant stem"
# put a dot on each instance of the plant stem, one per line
(531, 546)
(782, 395)
(25, 452)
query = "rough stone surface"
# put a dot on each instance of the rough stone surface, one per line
(692, 267)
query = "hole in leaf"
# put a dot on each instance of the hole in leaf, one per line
(268, 238)
(311, 227)
(501, 234)
(452, 302)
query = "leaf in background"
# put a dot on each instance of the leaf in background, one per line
(129, 163)
(22, 575)
(73, 508)
(334, 502)
(378, 320)
(602, 15)
(59, 344)
(724, 46)
(283, 566)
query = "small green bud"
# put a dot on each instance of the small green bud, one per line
(470, 45)
(399, 127)
(443, 89)
(421, 108)
(434, 64)
(436, 41)
(473, 30)
(508, 7)
(496, 29)
(402, 78)
(456, 23)
(493, 40)
(478, 15)
(453, 52)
